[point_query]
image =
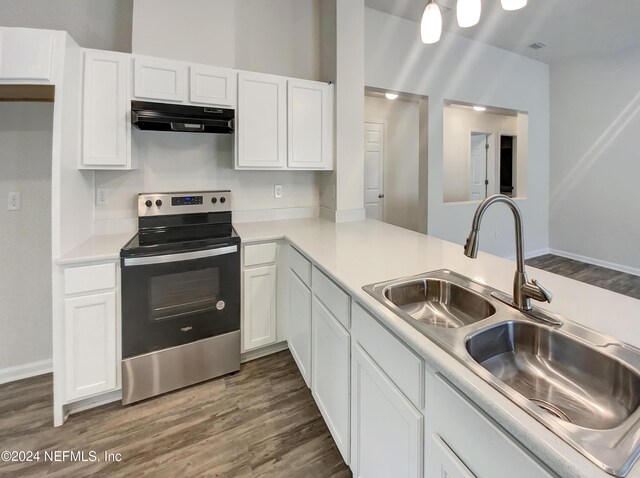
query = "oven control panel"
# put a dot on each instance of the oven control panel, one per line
(165, 204)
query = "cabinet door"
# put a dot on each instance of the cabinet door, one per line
(259, 307)
(443, 463)
(261, 131)
(386, 428)
(159, 79)
(331, 375)
(300, 325)
(213, 86)
(310, 125)
(90, 345)
(25, 54)
(106, 129)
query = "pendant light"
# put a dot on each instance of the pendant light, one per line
(431, 26)
(468, 12)
(513, 4)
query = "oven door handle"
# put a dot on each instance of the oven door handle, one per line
(183, 256)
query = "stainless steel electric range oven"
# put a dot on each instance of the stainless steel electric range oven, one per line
(180, 294)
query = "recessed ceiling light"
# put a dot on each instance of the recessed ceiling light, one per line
(479, 108)
(391, 96)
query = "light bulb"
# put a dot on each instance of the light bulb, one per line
(479, 108)
(468, 12)
(431, 26)
(391, 96)
(513, 4)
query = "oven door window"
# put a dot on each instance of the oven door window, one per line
(182, 294)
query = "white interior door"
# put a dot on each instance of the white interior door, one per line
(478, 166)
(373, 169)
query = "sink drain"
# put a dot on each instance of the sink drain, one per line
(550, 408)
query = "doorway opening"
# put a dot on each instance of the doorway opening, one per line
(507, 165)
(395, 143)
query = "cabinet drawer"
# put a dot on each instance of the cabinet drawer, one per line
(402, 366)
(332, 296)
(300, 265)
(89, 278)
(260, 254)
(473, 437)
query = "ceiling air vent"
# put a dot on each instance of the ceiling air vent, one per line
(537, 45)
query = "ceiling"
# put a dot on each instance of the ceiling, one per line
(569, 28)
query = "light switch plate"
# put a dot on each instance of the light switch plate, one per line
(14, 201)
(102, 196)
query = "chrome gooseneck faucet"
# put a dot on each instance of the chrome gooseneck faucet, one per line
(523, 290)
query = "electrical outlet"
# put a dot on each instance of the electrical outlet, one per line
(277, 191)
(102, 196)
(14, 201)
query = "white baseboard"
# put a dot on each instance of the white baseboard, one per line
(264, 351)
(596, 262)
(92, 402)
(539, 252)
(529, 254)
(19, 372)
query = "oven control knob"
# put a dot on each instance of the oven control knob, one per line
(223, 199)
(158, 202)
(220, 305)
(148, 203)
(214, 200)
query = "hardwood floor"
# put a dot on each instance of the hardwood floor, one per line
(260, 422)
(609, 279)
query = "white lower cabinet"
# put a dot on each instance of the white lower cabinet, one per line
(331, 345)
(387, 430)
(90, 345)
(300, 324)
(259, 307)
(443, 462)
(472, 439)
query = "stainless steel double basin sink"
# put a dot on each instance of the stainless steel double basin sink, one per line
(582, 385)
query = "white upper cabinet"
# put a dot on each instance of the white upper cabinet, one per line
(261, 122)
(159, 79)
(213, 86)
(310, 125)
(106, 126)
(26, 54)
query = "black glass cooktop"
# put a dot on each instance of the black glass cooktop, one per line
(182, 238)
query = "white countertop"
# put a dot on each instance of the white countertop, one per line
(359, 253)
(100, 247)
(365, 252)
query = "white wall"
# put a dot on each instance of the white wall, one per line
(185, 162)
(401, 143)
(25, 235)
(460, 69)
(595, 123)
(101, 24)
(279, 36)
(458, 124)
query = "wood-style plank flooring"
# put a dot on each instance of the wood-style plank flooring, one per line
(259, 422)
(609, 279)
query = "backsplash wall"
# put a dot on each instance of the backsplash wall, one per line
(192, 162)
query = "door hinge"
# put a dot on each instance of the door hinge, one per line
(486, 182)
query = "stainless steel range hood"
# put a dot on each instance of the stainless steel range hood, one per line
(149, 116)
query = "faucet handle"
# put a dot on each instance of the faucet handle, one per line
(545, 294)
